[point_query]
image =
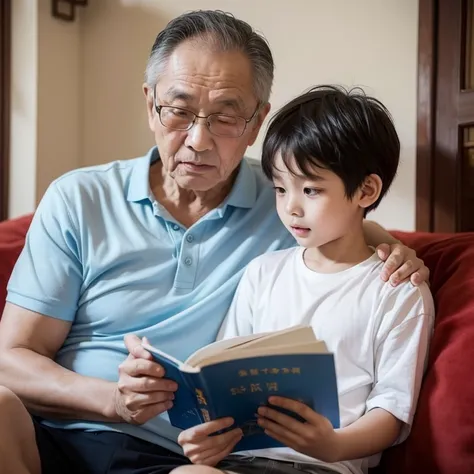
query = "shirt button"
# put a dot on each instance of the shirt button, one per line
(175, 227)
(190, 238)
(188, 261)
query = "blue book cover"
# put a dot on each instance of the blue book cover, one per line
(243, 378)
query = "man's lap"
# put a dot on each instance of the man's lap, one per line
(82, 452)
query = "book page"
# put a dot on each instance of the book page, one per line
(220, 346)
(289, 339)
(292, 335)
(315, 347)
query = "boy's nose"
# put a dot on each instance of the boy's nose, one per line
(293, 208)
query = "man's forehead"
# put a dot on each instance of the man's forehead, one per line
(186, 93)
(194, 70)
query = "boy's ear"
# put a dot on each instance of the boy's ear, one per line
(370, 190)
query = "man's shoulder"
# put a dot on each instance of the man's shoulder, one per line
(97, 175)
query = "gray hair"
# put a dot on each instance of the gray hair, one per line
(220, 30)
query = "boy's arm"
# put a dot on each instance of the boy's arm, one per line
(401, 262)
(400, 353)
(376, 431)
(373, 433)
(239, 318)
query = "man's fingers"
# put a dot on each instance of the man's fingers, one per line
(139, 367)
(422, 275)
(128, 384)
(143, 415)
(134, 346)
(392, 263)
(383, 251)
(139, 401)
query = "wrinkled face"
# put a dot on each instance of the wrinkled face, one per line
(316, 210)
(204, 82)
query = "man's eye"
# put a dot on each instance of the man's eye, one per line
(179, 112)
(312, 191)
(226, 119)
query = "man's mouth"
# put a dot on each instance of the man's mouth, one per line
(193, 166)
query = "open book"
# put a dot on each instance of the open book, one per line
(234, 377)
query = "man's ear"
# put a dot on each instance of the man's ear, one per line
(256, 124)
(370, 190)
(150, 106)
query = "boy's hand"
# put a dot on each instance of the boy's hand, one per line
(315, 438)
(201, 448)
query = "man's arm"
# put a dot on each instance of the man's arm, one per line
(401, 262)
(28, 344)
(376, 235)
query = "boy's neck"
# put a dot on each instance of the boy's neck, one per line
(338, 255)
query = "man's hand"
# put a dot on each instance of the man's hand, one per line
(201, 448)
(142, 393)
(401, 263)
(315, 438)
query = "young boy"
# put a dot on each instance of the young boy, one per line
(332, 156)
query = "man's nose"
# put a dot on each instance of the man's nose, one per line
(199, 138)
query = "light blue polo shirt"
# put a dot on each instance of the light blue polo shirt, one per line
(103, 253)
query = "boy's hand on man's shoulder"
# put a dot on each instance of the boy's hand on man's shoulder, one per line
(201, 448)
(316, 437)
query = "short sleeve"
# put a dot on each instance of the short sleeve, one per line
(47, 277)
(238, 321)
(400, 354)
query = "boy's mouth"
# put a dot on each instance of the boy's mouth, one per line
(300, 231)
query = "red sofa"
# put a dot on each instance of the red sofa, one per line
(442, 439)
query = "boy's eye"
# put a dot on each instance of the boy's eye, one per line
(279, 190)
(311, 191)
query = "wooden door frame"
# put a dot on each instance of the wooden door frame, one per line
(5, 63)
(426, 114)
(445, 107)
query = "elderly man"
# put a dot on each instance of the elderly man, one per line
(150, 248)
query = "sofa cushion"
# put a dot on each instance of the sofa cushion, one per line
(442, 438)
(12, 240)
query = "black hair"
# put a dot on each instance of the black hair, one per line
(344, 131)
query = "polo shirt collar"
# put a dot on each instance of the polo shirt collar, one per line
(139, 185)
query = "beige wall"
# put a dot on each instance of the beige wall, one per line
(60, 80)
(23, 107)
(372, 43)
(46, 113)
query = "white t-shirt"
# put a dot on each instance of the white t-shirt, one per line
(379, 334)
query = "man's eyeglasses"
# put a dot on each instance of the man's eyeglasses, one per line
(222, 125)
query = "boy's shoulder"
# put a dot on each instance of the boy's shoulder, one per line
(272, 260)
(405, 298)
